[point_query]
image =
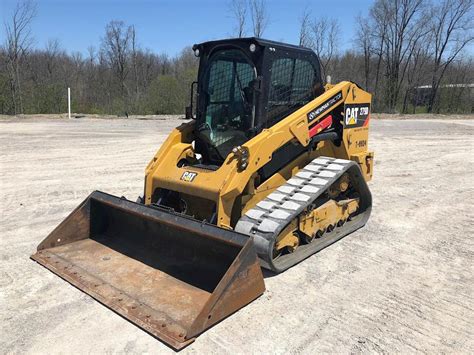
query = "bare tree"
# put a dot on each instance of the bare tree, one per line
(452, 29)
(52, 51)
(458, 98)
(134, 54)
(78, 64)
(116, 46)
(365, 46)
(18, 42)
(325, 40)
(377, 28)
(416, 71)
(404, 24)
(238, 9)
(91, 56)
(305, 24)
(259, 16)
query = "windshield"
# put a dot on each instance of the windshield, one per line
(228, 101)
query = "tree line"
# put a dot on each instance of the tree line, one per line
(117, 77)
(410, 54)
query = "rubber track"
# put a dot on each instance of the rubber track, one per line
(270, 216)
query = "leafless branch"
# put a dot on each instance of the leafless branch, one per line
(452, 29)
(305, 24)
(259, 16)
(18, 42)
(238, 9)
(324, 40)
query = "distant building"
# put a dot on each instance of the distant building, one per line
(422, 93)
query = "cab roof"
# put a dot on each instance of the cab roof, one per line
(249, 40)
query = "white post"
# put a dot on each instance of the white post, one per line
(69, 102)
(328, 79)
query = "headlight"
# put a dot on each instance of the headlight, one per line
(252, 47)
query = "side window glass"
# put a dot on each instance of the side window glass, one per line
(280, 87)
(244, 75)
(303, 80)
(291, 86)
(220, 82)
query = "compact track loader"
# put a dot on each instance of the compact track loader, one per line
(271, 168)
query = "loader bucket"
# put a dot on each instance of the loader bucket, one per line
(169, 274)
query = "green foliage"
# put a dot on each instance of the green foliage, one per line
(153, 83)
(50, 98)
(169, 94)
(164, 95)
(5, 96)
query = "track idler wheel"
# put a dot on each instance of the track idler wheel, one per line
(288, 244)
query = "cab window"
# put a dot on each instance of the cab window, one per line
(291, 87)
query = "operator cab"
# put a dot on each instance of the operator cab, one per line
(245, 85)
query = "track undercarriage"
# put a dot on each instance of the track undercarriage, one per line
(322, 203)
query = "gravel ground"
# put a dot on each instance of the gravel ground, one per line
(404, 283)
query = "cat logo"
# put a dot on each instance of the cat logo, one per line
(356, 115)
(351, 115)
(188, 176)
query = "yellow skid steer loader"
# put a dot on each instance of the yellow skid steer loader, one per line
(271, 168)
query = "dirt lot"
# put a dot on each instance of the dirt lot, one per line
(404, 283)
